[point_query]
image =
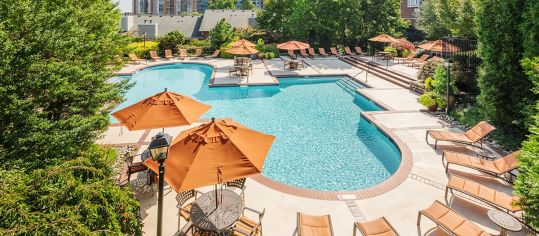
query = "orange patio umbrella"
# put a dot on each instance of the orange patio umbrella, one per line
(165, 109)
(439, 46)
(242, 50)
(215, 152)
(293, 45)
(242, 42)
(383, 38)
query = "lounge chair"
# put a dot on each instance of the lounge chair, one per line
(408, 58)
(248, 227)
(360, 52)
(153, 56)
(183, 53)
(214, 55)
(303, 53)
(335, 52)
(472, 136)
(480, 192)
(349, 52)
(379, 227)
(168, 54)
(450, 220)
(322, 52)
(498, 168)
(420, 61)
(312, 53)
(134, 59)
(291, 54)
(198, 53)
(314, 225)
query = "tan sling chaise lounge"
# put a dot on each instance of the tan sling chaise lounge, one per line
(153, 56)
(349, 52)
(378, 227)
(335, 52)
(314, 225)
(483, 193)
(420, 61)
(450, 221)
(303, 53)
(322, 52)
(409, 58)
(214, 55)
(359, 51)
(498, 168)
(133, 58)
(198, 53)
(312, 53)
(183, 53)
(168, 54)
(470, 137)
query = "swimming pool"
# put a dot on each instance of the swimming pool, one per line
(322, 142)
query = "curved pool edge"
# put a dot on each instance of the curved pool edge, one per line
(387, 185)
(164, 63)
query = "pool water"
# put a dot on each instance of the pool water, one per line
(322, 142)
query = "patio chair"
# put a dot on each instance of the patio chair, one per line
(312, 53)
(480, 192)
(198, 53)
(309, 225)
(154, 56)
(183, 53)
(497, 168)
(450, 220)
(470, 137)
(303, 53)
(233, 70)
(378, 227)
(349, 52)
(134, 59)
(286, 63)
(132, 168)
(359, 51)
(168, 54)
(291, 54)
(322, 52)
(237, 184)
(408, 58)
(214, 55)
(184, 202)
(419, 62)
(247, 226)
(335, 52)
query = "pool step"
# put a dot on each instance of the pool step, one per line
(379, 71)
(349, 85)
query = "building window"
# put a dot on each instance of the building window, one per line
(161, 7)
(143, 6)
(414, 3)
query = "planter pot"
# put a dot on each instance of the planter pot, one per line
(433, 108)
(451, 101)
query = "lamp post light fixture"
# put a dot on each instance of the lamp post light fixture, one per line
(159, 151)
(144, 35)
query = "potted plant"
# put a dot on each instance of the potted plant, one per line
(429, 100)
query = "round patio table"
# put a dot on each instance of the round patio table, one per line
(505, 221)
(205, 216)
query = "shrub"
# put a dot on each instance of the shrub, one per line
(439, 84)
(427, 70)
(427, 99)
(224, 54)
(260, 45)
(391, 50)
(140, 50)
(221, 34)
(170, 41)
(272, 55)
(428, 83)
(405, 53)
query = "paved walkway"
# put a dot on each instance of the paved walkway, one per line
(400, 206)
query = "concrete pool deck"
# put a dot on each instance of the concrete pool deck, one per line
(422, 185)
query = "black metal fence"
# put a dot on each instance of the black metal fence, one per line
(462, 54)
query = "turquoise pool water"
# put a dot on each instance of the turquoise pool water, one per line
(322, 142)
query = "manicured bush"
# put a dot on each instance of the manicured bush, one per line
(428, 84)
(427, 99)
(527, 183)
(405, 53)
(427, 70)
(391, 50)
(260, 45)
(170, 41)
(439, 84)
(140, 50)
(221, 34)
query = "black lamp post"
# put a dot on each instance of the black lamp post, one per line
(159, 151)
(144, 35)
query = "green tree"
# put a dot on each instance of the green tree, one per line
(54, 102)
(530, 29)
(247, 5)
(221, 4)
(170, 41)
(221, 34)
(527, 183)
(465, 23)
(505, 91)
(429, 21)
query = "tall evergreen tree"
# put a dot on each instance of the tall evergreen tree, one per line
(505, 91)
(221, 34)
(221, 4)
(530, 29)
(247, 5)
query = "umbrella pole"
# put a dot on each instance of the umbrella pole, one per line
(216, 198)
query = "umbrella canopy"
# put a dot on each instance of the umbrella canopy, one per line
(165, 109)
(242, 50)
(293, 45)
(242, 42)
(383, 38)
(215, 152)
(439, 46)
